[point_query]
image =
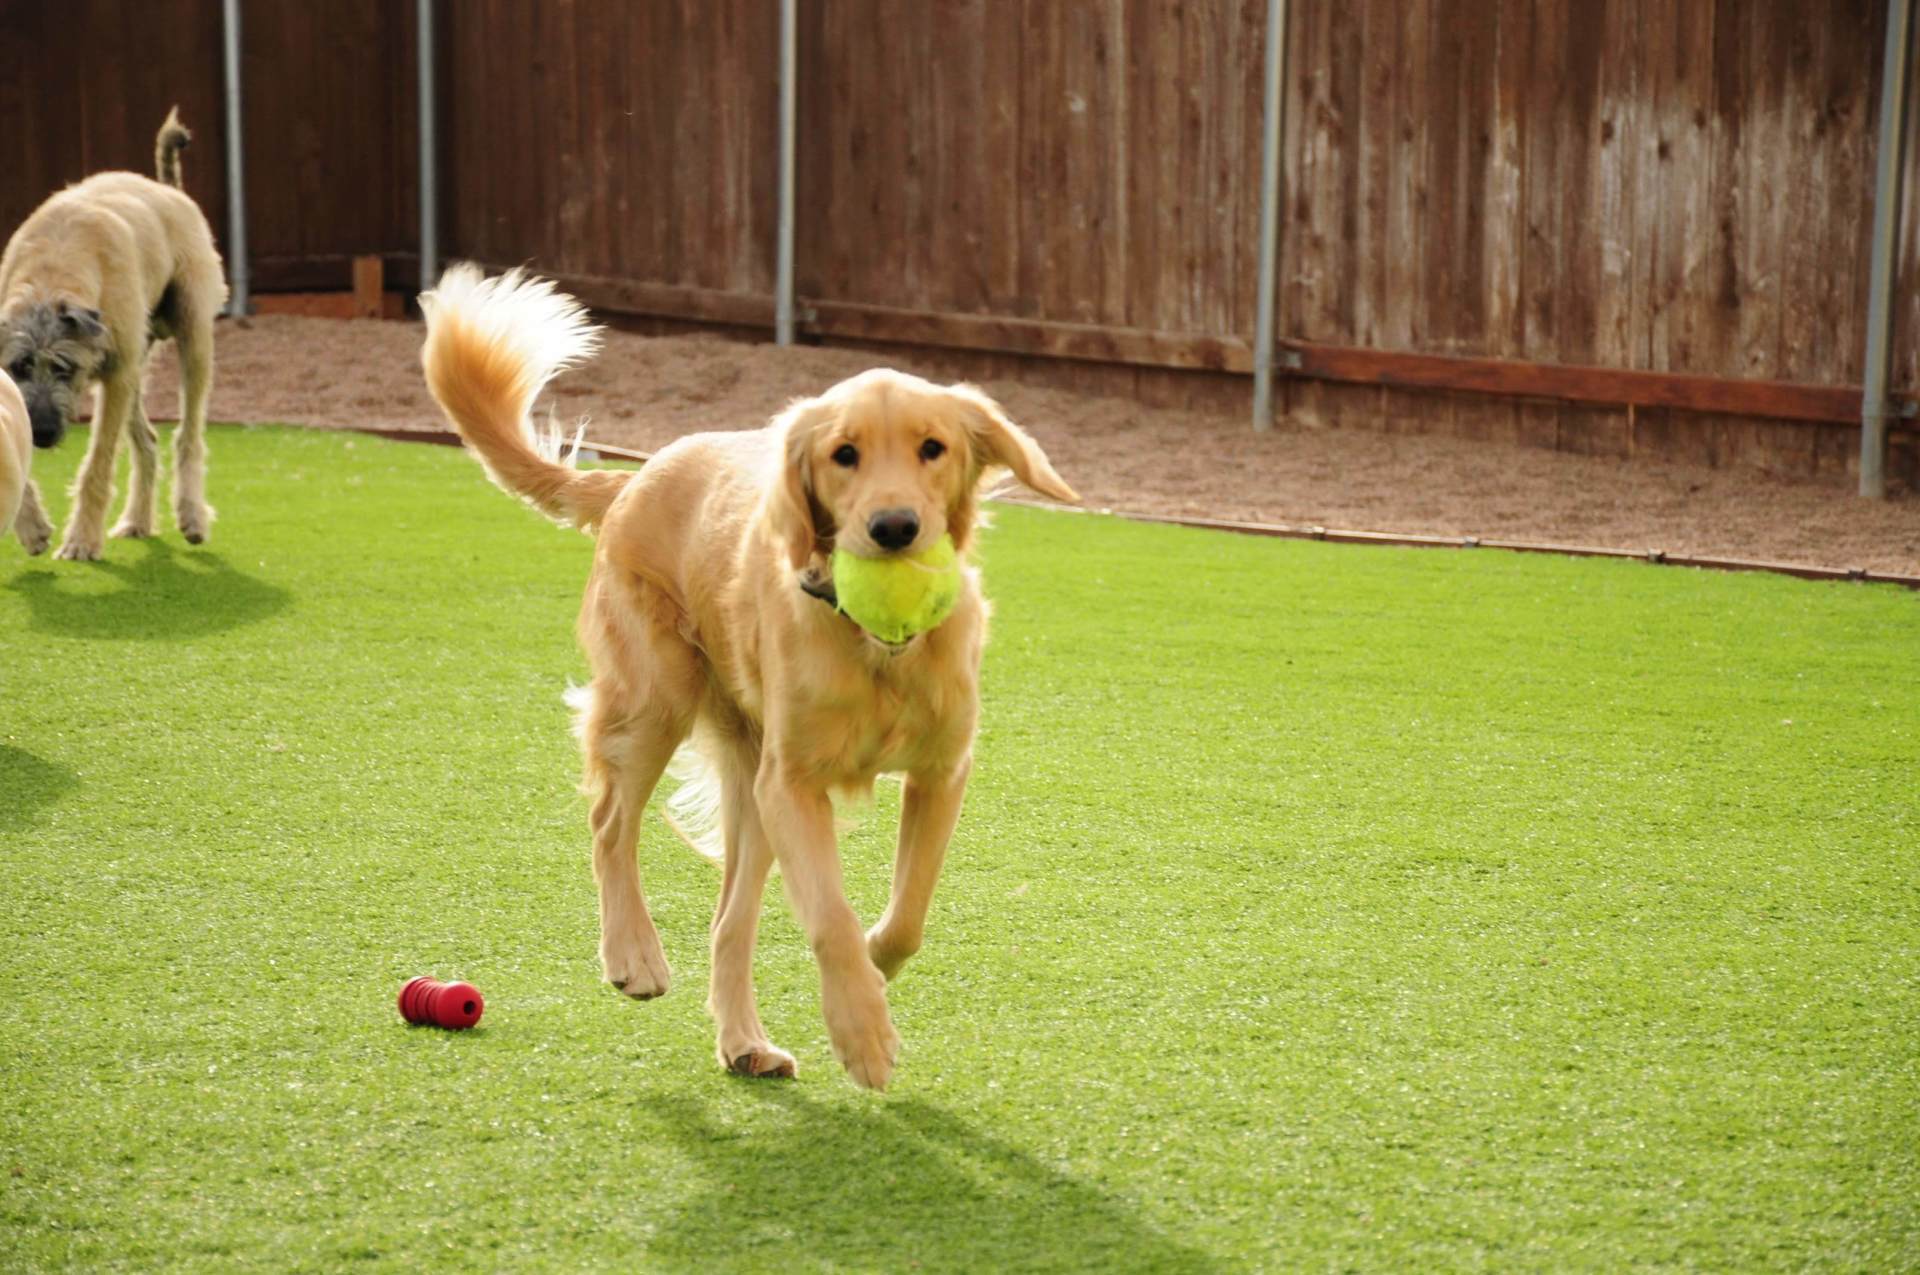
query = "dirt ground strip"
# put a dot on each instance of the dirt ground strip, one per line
(645, 391)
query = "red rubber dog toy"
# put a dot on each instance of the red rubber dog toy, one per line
(429, 1002)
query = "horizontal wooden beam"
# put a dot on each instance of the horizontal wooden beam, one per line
(664, 300)
(1045, 338)
(850, 321)
(1778, 400)
(1144, 347)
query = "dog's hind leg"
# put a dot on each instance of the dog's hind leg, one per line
(647, 684)
(137, 519)
(742, 1042)
(93, 485)
(194, 341)
(31, 524)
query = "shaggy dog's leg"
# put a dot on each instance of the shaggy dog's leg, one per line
(93, 486)
(195, 344)
(853, 994)
(929, 809)
(137, 519)
(742, 1042)
(31, 524)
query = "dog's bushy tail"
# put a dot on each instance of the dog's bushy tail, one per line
(173, 139)
(491, 345)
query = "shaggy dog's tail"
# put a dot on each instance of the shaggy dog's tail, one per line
(173, 139)
(491, 345)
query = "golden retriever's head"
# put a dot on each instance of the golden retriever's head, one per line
(888, 463)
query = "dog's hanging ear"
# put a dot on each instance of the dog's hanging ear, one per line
(998, 441)
(790, 507)
(82, 321)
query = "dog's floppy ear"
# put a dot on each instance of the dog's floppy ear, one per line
(998, 441)
(82, 321)
(790, 506)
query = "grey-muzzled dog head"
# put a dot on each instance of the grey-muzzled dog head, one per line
(53, 350)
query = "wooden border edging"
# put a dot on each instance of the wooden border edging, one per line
(447, 438)
(1416, 540)
(1333, 535)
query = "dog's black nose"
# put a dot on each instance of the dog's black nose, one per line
(894, 528)
(47, 427)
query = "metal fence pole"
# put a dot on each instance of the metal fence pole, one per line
(1271, 129)
(783, 251)
(238, 299)
(429, 192)
(1888, 169)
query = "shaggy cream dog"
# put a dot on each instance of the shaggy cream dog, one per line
(19, 500)
(95, 276)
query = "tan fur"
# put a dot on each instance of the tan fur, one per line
(137, 256)
(173, 139)
(19, 498)
(490, 393)
(695, 626)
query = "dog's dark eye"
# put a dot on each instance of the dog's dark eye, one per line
(846, 456)
(932, 449)
(21, 369)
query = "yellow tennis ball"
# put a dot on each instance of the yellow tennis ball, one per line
(895, 597)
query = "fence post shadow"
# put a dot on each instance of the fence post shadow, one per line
(888, 1184)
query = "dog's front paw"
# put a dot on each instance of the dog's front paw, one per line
(857, 1023)
(35, 534)
(130, 529)
(196, 523)
(761, 1058)
(636, 965)
(78, 549)
(889, 948)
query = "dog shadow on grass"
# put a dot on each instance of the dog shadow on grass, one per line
(163, 594)
(889, 1185)
(27, 783)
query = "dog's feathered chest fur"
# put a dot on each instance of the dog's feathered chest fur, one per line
(801, 673)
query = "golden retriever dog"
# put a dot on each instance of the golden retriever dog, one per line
(19, 499)
(702, 623)
(89, 282)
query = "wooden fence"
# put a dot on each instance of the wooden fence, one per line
(1635, 185)
(329, 96)
(1505, 188)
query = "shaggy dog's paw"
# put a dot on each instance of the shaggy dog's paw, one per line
(196, 523)
(863, 1036)
(761, 1058)
(636, 966)
(77, 550)
(35, 538)
(128, 529)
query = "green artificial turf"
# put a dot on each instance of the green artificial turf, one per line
(1314, 907)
